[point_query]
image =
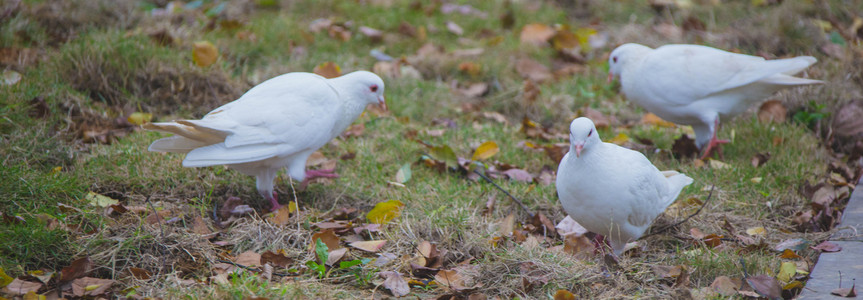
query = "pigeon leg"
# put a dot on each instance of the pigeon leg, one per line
(714, 143)
(312, 174)
(599, 242)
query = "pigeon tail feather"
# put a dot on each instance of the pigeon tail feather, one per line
(219, 154)
(676, 182)
(175, 144)
(783, 79)
(189, 131)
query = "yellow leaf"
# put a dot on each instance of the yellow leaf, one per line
(292, 206)
(99, 200)
(619, 139)
(5, 279)
(563, 295)
(328, 69)
(56, 170)
(204, 53)
(92, 287)
(786, 271)
(651, 119)
(486, 150)
(584, 35)
(384, 212)
(31, 295)
(139, 118)
(755, 179)
(718, 164)
(756, 231)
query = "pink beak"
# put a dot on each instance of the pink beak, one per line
(383, 103)
(610, 77)
(578, 148)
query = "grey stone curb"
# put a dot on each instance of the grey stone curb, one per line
(825, 276)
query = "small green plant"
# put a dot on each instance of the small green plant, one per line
(322, 251)
(810, 114)
(355, 267)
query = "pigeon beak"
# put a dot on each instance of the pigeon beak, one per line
(578, 148)
(610, 77)
(383, 103)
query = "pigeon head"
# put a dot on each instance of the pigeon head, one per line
(621, 55)
(582, 135)
(368, 85)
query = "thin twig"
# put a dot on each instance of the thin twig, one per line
(505, 192)
(161, 233)
(255, 269)
(666, 228)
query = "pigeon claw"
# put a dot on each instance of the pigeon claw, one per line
(274, 200)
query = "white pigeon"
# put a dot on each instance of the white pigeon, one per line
(276, 124)
(611, 190)
(699, 85)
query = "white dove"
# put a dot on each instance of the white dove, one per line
(611, 190)
(699, 85)
(276, 124)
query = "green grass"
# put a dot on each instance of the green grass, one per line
(103, 73)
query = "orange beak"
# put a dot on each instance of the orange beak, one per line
(383, 103)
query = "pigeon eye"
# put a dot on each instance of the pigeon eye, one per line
(591, 132)
(614, 59)
(373, 88)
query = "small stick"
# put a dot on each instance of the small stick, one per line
(505, 192)
(666, 228)
(254, 269)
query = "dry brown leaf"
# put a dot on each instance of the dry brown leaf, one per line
(395, 283)
(335, 256)
(89, 286)
(684, 147)
(827, 246)
(282, 216)
(772, 111)
(578, 245)
(278, 259)
(248, 258)
(373, 34)
(339, 32)
(20, 287)
(518, 175)
(200, 227)
(369, 246)
(846, 292)
(328, 70)
(563, 295)
(77, 269)
(760, 159)
(789, 254)
(651, 119)
(328, 237)
(536, 34)
(140, 274)
(765, 286)
(533, 70)
(725, 286)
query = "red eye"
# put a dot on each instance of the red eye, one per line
(614, 59)
(373, 88)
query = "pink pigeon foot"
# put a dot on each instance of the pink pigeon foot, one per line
(312, 174)
(600, 242)
(274, 200)
(714, 143)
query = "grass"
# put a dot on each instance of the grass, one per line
(93, 74)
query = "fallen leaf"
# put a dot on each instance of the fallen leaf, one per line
(200, 227)
(140, 274)
(139, 118)
(536, 34)
(533, 70)
(652, 119)
(470, 68)
(9, 77)
(715, 164)
(96, 199)
(485, 151)
(454, 280)
(248, 258)
(454, 28)
(789, 254)
(384, 212)
(339, 32)
(772, 111)
(395, 283)
(474, 90)
(204, 53)
(765, 286)
(756, 231)
(846, 292)
(21, 287)
(279, 259)
(619, 139)
(506, 225)
(563, 295)
(543, 225)
(404, 173)
(369, 246)
(373, 34)
(568, 226)
(335, 256)
(328, 70)
(725, 286)
(518, 175)
(5, 279)
(579, 246)
(760, 159)
(328, 237)
(89, 286)
(282, 216)
(787, 270)
(828, 246)
(77, 269)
